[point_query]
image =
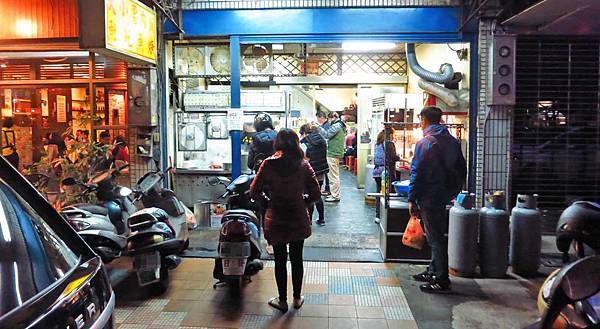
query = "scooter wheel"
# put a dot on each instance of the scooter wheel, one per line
(161, 286)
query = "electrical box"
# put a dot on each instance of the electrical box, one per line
(142, 93)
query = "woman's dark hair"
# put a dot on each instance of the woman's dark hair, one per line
(381, 136)
(55, 139)
(307, 128)
(288, 143)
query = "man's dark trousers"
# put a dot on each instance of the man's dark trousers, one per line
(436, 227)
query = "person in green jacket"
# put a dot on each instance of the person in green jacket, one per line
(335, 135)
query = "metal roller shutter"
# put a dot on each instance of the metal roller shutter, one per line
(556, 135)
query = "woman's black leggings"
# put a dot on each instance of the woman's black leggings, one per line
(320, 207)
(378, 183)
(281, 254)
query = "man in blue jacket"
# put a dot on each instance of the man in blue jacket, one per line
(437, 174)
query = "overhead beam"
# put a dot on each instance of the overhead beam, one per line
(320, 21)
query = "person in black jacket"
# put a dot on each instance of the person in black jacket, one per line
(262, 142)
(316, 151)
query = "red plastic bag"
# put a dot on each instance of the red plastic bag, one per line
(413, 235)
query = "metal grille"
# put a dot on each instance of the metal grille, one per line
(381, 64)
(556, 138)
(260, 4)
(16, 72)
(497, 132)
(328, 64)
(286, 65)
(139, 166)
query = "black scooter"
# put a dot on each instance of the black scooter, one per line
(575, 288)
(582, 217)
(239, 239)
(153, 236)
(157, 233)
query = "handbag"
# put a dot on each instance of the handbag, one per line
(413, 234)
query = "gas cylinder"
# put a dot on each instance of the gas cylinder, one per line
(462, 236)
(525, 235)
(494, 235)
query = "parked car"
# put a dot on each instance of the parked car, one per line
(49, 277)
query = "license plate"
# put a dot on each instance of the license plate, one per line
(234, 266)
(147, 267)
(234, 249)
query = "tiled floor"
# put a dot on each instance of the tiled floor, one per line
(338, 295)
(350, 234)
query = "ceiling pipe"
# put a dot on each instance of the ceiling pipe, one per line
(446, 71)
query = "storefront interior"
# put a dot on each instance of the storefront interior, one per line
(365, 83)
(48, 93)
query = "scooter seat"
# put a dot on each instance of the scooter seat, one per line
(147, 217)
(94, 209)
(243, 212)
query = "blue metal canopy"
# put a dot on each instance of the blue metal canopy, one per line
(424, 23)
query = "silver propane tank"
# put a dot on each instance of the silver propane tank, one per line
(494, 236)
(462, 236)
(525, 235)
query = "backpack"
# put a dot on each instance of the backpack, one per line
(456, 173)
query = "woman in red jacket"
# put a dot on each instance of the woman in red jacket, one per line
(283, 180)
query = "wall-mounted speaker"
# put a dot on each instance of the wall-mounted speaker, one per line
(502, 79)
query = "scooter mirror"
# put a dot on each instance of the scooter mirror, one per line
(213, 181)
(583, 279)
(69, 181)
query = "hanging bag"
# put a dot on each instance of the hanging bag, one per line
(413, 234)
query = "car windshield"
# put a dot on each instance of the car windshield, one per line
(33, 256)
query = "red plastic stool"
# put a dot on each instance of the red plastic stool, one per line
(355, 166)
(350, 163)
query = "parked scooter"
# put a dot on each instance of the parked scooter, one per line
(239, 238)
(578, 226)
(153, 236)
(103, 226)
(158, 233)
(574, 296)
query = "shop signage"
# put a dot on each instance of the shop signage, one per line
(235, 119)
(121, 28)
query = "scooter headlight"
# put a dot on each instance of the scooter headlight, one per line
(125, 191)
(79, 225)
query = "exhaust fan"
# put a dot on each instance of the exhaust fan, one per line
(189, 61)
(218, 60)
(192, 137)
(256, 59)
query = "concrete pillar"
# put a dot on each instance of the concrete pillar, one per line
(494, 127)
